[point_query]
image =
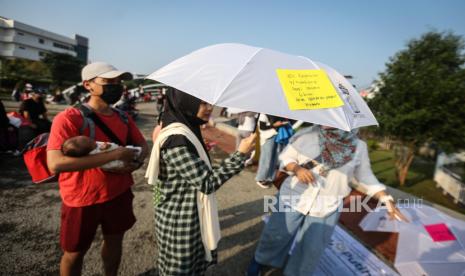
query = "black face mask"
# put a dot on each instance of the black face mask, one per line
(112, 93)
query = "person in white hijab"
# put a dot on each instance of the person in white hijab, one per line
(320, 161)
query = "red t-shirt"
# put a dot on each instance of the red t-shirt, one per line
(88, 187)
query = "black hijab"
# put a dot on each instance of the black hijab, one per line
(182, 108)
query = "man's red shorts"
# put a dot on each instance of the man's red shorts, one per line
(79, 224)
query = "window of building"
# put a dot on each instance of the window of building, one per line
(41, 41)
(22, 48)
(20, 33)
(42, 54)
(61, 46)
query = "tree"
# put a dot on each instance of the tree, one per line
(422, 97)
(21, 69)
(64, 68)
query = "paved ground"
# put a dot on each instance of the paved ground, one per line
(30, 215)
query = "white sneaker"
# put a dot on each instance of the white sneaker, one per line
(248, 162)
(264, 184)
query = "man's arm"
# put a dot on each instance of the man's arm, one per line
(57, 162)
(66, 125)
(144, 152)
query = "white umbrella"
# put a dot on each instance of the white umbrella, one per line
(246, 77)
(433, 243)
(233, 110)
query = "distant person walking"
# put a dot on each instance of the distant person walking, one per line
(33, 109)
(247, 122)
(8, 133)
(269, 149)
(16, 93)
(26, 92)
(246, 125)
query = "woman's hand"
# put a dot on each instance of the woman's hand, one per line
(394, 212)
(247, 144)
(304, 175)
(280, 124)
(156, 131)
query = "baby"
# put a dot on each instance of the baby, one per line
(79, 146)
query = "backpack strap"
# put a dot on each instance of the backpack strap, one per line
(125, 118)
(87, 121)
(123, 115)
(91, 119)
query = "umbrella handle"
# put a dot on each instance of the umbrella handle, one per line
(256, 123)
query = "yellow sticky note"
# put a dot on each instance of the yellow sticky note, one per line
(308, 89)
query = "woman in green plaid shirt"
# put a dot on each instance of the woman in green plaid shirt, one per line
(182, 174)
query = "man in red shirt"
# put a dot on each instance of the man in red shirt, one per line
(93, 196)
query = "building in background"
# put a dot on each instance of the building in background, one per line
(19, 40)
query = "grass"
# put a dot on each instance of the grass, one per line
(419, 179)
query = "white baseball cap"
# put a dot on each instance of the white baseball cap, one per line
(103, 70)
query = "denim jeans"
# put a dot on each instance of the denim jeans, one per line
(310, 236)
(268, 162)
(241, 135)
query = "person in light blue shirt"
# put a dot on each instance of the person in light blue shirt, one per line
(320, 161)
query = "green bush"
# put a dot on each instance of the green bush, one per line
(372, 145)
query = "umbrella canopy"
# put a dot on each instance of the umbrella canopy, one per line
(258, 79)
(433, 243)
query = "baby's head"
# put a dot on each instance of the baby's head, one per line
(78, 146)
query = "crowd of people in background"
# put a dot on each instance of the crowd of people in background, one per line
(8, 133)
(28, 121)
(30, 118)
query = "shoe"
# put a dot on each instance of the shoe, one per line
(264, 184)
(248, 162)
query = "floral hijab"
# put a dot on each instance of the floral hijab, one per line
(337, 147)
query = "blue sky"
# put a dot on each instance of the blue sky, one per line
(355, 37)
